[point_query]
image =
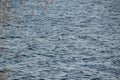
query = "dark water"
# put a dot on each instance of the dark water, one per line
(65, 40)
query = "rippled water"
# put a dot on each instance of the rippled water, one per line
(65, 40)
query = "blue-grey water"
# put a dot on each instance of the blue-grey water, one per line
(64, 40)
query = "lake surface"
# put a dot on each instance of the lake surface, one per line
(64, 40)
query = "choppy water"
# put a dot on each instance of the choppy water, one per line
(66, 40)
